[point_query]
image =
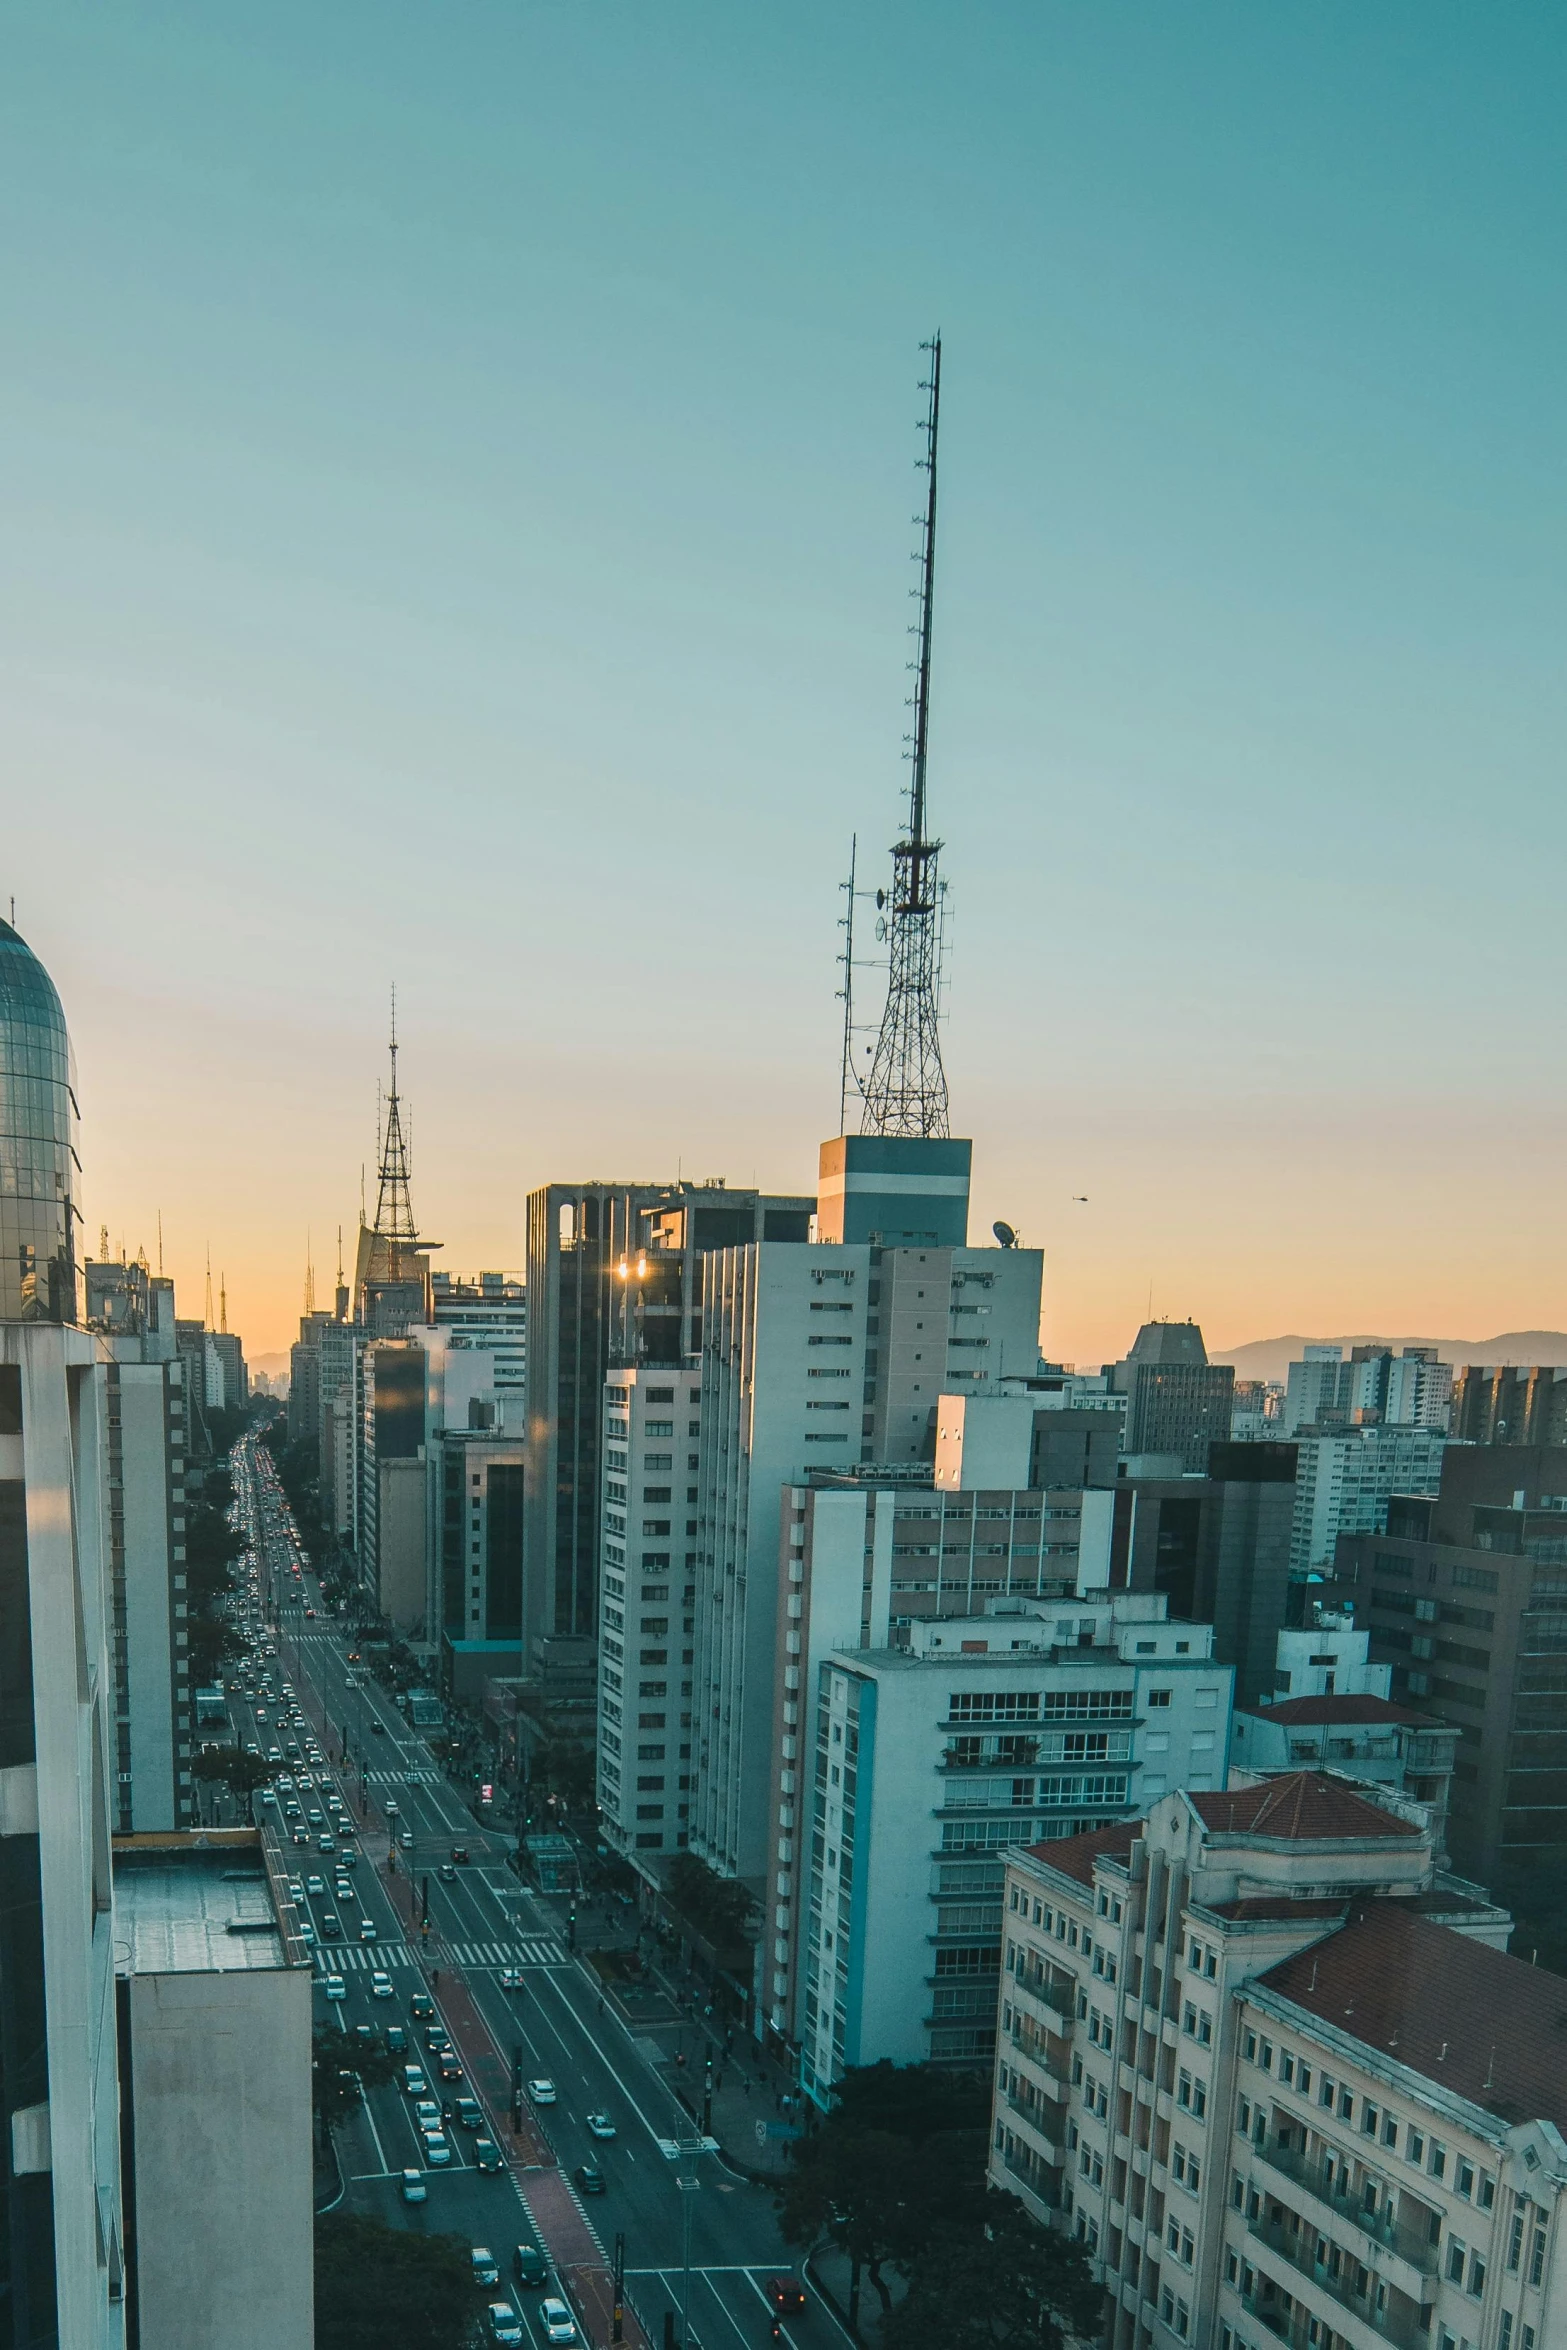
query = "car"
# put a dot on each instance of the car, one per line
(529, 2265)
(486, 2269)
(447, 2066)
(786, 2294)
(437, 2149)
(406, 1839)
(542, 2091)
(414, 2188)
(511, 1978)
(313, 1815)
(460, 1854)
(307, 1932)
(348, 1858)
(469, 2112)
(396, 2039)
(315, 1885)
(377, 1729)
(331, 1925)
(448, 1873)
(300, 1835)
(364, 2034)
(344, 1891)
(310, 1614)
(505, 2324)
(380, 1986)
(367, 1929)
(436, 2035)
(334, 1987)
(427, 2114)
(414, 2081)
(557, 2320)
(487, 2155)
(326, 1844)
(600, 2125)
(251, 1747)
(296, 1891)
(589, 2178)
(421, 2005)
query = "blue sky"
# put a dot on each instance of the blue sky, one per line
(456, 471)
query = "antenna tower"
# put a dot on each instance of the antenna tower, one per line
(905, 1089)
(206, 1320)
(394, 1216)
(310, 1276)
(223, 1301)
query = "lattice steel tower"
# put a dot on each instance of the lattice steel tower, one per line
(394, 1215)
(905, 1089)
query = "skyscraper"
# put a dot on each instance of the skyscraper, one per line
(62, 2253)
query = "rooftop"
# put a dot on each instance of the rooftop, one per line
(1306, 1807)
(1075, 1856)
(1485, 2026)
(182, 1906)
(1345, 1709)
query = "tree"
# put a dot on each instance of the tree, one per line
(1005, 2285)
(718, 1907)
(901, 2155)
(342, 2068)
(244, 1773)
(376, 2285)
(213, 1644)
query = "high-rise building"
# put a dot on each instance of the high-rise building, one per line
(1464, 1594)
(922, 1764)
(652, 1429)
(62, 2238)
(1345, 1482)
(1177, 1402)
(613, 1279)
(391, 1512)
(1275, 2072)
(1510, 1403)
(1412, 1389)
(488, 1310)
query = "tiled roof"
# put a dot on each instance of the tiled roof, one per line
(1484, 2025)
(1340, 1709)
(1075, 1856)
(1305, 1806)
(1260, 1909)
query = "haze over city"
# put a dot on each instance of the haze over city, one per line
(458, 479)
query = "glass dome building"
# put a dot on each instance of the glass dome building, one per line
(38, 1158)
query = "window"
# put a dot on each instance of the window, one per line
(1415, 2147)
(1158, 1697)
(1456, 2251)
(1515, 2241)
(1286, 2068)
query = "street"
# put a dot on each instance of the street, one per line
(559, 2026)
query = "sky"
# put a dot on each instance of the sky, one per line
(456, 495)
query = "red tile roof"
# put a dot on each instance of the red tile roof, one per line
(1484, 2025)
(1304, 1806)
(1261, 1908)
(1075, 1856)
(1340, 1709)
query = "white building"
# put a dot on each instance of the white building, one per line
(652, 1424)
(1327, 1658)
(1034, 1720)
(1411, 1390)
(816, 1356)
(490, 1311)
(1344, 1482)
(1278, 2076)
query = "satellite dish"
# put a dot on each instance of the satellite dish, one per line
(881, 897)
(1005, 1234)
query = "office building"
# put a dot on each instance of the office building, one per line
(1177, 1402)
(475, 1467)
(62, 2244)
(390, 1505)
(1277, 2074)
(489, 1311)
(921, 1765)
(1012, 1435)
(813, 1356)
(1464, 1595)
(1323, 1390)
(1344, 1483)
(652, 1430)
(1356, 1737)
(1257, 1411)
(1217, 1548)
(613, 1280)
(213, 2000)
(147, 1436)
(1510, 1403)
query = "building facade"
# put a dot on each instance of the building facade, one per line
(1344, 1483)
(1177, 1402)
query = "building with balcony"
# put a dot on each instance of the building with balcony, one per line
(924, 1763)
(1356, 1737)
(1276, 2071)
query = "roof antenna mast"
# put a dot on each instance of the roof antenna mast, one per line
(905, 1090)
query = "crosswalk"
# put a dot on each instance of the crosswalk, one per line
(413, 1778)
(472, 1957)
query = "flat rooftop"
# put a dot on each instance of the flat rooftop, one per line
(182, 1907)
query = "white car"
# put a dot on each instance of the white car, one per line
(414, 2189)
(542, 2092)
(437, 2150)
(600, 2125)
(427, 2114)
(335, 1988)
(511, 1978)
(505, 2324)
(559, 2325)
(380, 1986)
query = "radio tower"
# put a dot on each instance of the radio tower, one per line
(905, 1091)
(394, 1215)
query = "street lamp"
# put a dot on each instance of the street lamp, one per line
(686, 2151)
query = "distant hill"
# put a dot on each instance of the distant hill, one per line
(1269, 1358)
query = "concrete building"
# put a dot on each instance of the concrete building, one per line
(1344, 1483)
(1510, 1403)
(652, 1434)
(923, 1764)
(488, 1311)
(1239, 2059)
(1013, 1435)
(613, 1278)
(1465, 1597)
(213, 1997)
(1257, 1411)
(391, 1513)
(62, 2238)
(1357, 1737)
(1177, 1402)
(1328, 1657)
(1323, 1390)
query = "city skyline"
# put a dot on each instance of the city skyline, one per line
(459, 527)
